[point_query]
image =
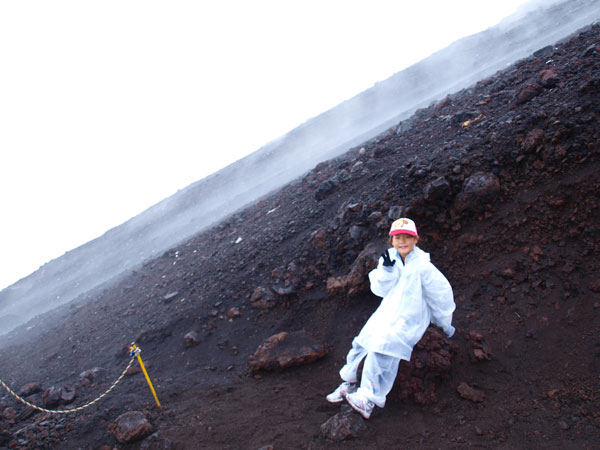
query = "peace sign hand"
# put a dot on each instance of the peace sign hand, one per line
(387, 261)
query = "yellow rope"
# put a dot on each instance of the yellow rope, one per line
(67, 411)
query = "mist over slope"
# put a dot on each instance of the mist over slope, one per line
(209, 200)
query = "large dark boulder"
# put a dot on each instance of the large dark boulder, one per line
(344, 425)
(429, 365)
(479, 190)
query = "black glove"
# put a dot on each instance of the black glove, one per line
(387, 261)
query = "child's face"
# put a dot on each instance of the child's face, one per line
(404, 243)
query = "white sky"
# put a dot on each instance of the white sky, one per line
(108, 107)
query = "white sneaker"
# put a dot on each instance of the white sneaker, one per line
(340, 393)
(360, 404)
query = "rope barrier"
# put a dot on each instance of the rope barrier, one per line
(134, 352)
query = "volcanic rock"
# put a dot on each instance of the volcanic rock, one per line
(481, 349)
(30, 389)
(191, 339)
(325, 189)
(404, 126)
(5, 437)
(527, 92)
(318, 238)
(233, 312)
(286, 349)
(395, 212)
(263, 298)
(344, 425)
(55, 396)
(130, 427)
(9, 414)
(156, 442)
(91, 375)
(429, 365)
(478, 190)
(533, 140)
(356, 281)
(437, 189)
(470, 393)
(549, 77)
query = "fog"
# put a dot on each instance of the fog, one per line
(381, 108)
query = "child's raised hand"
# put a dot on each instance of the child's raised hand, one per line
(387, 261)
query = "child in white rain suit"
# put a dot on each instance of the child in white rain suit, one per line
(414, 293)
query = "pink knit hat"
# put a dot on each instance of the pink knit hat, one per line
(403, 226)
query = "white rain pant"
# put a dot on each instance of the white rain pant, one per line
(378, 374)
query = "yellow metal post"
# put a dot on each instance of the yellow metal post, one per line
(136, 350)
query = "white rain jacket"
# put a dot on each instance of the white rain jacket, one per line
(414, 294)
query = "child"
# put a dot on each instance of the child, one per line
(414, 293)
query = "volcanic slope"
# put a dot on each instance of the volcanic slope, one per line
(503, 180)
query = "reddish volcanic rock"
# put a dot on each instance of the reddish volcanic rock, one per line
(130, 427)
(286, 349)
